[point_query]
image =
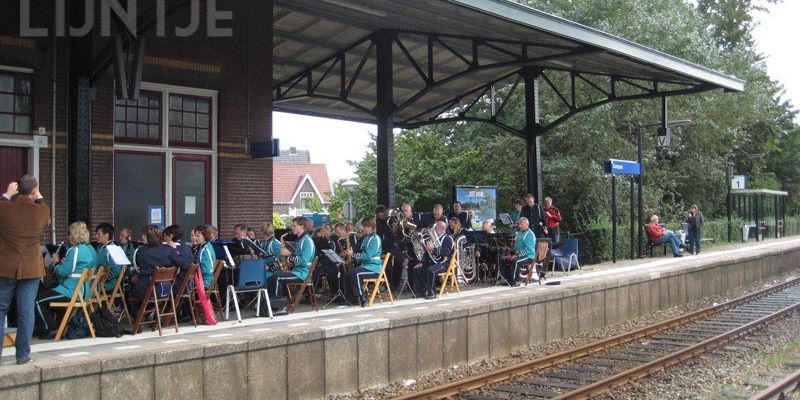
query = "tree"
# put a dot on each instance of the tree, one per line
(277, 221)
(312, 204)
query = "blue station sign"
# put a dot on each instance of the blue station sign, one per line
(622, 167)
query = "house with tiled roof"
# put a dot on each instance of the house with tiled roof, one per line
(294, 184)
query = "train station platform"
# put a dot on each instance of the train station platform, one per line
(309, 355)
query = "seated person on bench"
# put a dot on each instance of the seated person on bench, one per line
(660, 235)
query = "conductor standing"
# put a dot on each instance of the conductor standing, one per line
(22, 220)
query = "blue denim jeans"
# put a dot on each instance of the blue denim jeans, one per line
(26, 297)
(694, 240)
(673, 240)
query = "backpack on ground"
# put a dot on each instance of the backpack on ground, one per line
(105, 324)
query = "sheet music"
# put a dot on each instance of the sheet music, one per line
(505, 218)
(252, 245)
(332, 256)
(117, 255)
(228, 255)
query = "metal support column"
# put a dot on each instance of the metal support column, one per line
(632, 217)
(640, 203)
(384, 112)
(614, 219)
(79, 143)
(533, 132)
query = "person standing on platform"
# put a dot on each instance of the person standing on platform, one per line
(428, 220)
(517, 213)
(552, 219)
(695, 222)
(369, 260)
(535, 215)
(22, 221)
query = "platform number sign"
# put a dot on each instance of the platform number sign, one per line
(664, 139)
(738, 182)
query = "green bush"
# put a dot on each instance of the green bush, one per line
(792, 225)
(596, 246)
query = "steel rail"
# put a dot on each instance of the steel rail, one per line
(677, 357)
(778, 390)
(512, 371)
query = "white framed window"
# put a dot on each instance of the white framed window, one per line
(180, 125)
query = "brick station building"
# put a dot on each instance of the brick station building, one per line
(181, 145)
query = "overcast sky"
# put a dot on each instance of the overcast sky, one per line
(333, 142)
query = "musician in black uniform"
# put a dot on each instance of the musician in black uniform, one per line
(325, 266)
(464, 217)
(535, 215)
(404, 253)
(428, 220)
(426, 282)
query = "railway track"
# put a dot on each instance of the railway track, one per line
(780, 389)
(590, 370)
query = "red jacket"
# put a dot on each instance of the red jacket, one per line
(554, 219)
(654, 232)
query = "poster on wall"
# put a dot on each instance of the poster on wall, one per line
(481, 200)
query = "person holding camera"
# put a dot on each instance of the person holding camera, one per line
(23, 217)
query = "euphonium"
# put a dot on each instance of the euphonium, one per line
(428, 236)
(466, 259)
(344, 243)
(407, 227)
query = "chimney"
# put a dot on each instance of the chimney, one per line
(293, 150)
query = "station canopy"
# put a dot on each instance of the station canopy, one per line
(447, 55)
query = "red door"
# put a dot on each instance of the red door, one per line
(13, 165)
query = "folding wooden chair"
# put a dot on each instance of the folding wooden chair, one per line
(184, 293)
(542, 248)
(307, 284)
(78, 299)
(213, 287)
(117, 293)
(160, 275)
(95, 293)
(377, 282)
(449, 279)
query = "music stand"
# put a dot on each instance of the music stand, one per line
(333, 257)
(499, 242)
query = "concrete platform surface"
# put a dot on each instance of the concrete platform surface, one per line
(350, 348)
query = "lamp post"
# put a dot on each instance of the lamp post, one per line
(349, 207)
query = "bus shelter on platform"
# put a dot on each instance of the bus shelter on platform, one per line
(763, 212)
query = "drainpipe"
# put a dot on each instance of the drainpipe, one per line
(53, 142)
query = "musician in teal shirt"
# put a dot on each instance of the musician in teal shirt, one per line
(302, 258)
(104, 234)
(369, 260)
(270, 245)
(205, 256)
(68, 272)
(525, 249)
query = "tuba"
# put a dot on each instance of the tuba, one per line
(466, 259)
